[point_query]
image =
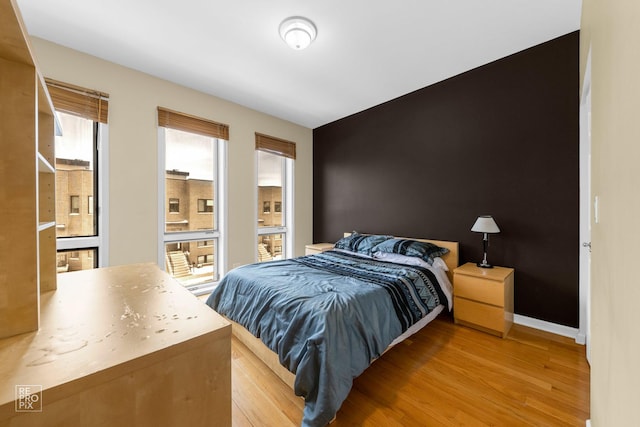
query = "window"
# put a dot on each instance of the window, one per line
(75, 260)
(205, 205)
(204, 260)
(275, 197)
(174, 205)
(191, 160)
(75, 205)
(81, 165)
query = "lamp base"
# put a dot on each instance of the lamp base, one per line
(483, 264)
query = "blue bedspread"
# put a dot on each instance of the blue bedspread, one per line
(327, 316)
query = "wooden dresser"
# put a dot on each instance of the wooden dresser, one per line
(124, 346)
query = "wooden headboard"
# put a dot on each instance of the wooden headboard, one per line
(451, 259)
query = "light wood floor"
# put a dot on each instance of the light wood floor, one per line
(444, 375)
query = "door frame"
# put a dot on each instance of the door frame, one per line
(584, 332)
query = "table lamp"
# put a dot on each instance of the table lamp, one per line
(485, 224)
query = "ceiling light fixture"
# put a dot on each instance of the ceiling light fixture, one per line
(298, 32)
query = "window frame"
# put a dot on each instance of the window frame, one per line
(100, 242)
(287, 229)
(91, 105)
(217, 234)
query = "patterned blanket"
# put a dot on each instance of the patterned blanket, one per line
(327, 316)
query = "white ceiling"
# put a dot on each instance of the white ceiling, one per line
(366, 52)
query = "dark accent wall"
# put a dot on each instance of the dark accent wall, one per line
(501, 139)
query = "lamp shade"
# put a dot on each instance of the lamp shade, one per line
(485, 224)
(297, 32)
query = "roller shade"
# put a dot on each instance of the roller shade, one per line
(187, 123)
(274, 145)
(87, 103)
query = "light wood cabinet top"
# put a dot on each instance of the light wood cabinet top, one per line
(495, 273)
(317, 248)
(320, 246)
(101, 324)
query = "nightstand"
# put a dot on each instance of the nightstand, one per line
(316, 248)
(483, 298)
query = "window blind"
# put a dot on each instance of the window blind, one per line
(87, 103)
(187, 123)
(274, 145)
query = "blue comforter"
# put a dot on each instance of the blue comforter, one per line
(327, 316)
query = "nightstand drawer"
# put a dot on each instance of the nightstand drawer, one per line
(488, 291)
(480, 314)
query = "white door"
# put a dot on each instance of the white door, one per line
(585, 211)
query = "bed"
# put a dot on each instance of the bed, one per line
(319, 320)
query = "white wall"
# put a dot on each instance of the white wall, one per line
(133, 175)
(610, 28)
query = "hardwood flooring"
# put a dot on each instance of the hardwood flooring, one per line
(444, 375)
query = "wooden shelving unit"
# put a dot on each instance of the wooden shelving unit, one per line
(123, 345)
(120, 345)
(46, 190)
(27, 174)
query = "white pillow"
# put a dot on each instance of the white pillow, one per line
(401, 259)
(410, 260)
(439, 262)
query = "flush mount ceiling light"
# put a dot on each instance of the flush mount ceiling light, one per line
(298, 32)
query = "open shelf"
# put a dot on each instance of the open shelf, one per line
(44, 165)
(44, 225)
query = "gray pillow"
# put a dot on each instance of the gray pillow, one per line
(360, 243)
(424, 250)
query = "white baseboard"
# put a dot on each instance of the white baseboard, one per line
(554, 328)
(588, 423)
